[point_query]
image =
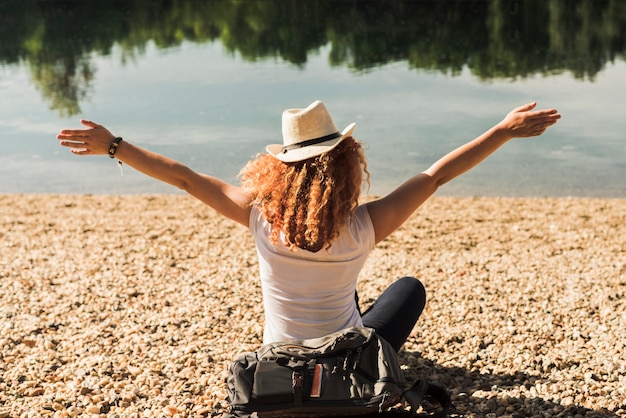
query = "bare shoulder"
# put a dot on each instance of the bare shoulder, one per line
(388, 213)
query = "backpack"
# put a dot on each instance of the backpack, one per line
(350, 372)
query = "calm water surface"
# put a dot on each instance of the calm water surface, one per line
(205, 105)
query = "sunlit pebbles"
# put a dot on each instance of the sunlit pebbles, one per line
(134, 305)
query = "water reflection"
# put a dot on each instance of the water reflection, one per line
(493, 39)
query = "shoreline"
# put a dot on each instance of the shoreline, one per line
(125, 303)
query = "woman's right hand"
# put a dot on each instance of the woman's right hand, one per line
(95, 140)
(523, 121)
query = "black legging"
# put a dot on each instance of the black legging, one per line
(394, 314)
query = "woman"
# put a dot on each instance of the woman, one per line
(300, 201)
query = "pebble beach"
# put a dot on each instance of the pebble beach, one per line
(134, 306)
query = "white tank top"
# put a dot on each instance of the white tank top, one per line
(306, 294)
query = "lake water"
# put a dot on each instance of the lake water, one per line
(211, 108)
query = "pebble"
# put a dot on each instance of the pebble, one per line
(127, 306)
(93, 409)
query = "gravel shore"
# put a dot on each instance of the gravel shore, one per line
(134, 306)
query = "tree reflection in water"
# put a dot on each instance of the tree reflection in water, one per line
(492, 38)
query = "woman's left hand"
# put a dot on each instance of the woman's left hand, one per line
(96, 140)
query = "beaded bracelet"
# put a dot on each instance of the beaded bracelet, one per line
(114, 145)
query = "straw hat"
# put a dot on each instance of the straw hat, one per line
(308, 133)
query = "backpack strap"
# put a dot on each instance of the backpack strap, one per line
(422, 389)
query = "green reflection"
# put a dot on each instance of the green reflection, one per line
(493, 39)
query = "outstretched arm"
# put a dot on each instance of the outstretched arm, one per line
(231, 201)
(389, 212)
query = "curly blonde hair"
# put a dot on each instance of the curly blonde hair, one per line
(308, 201)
